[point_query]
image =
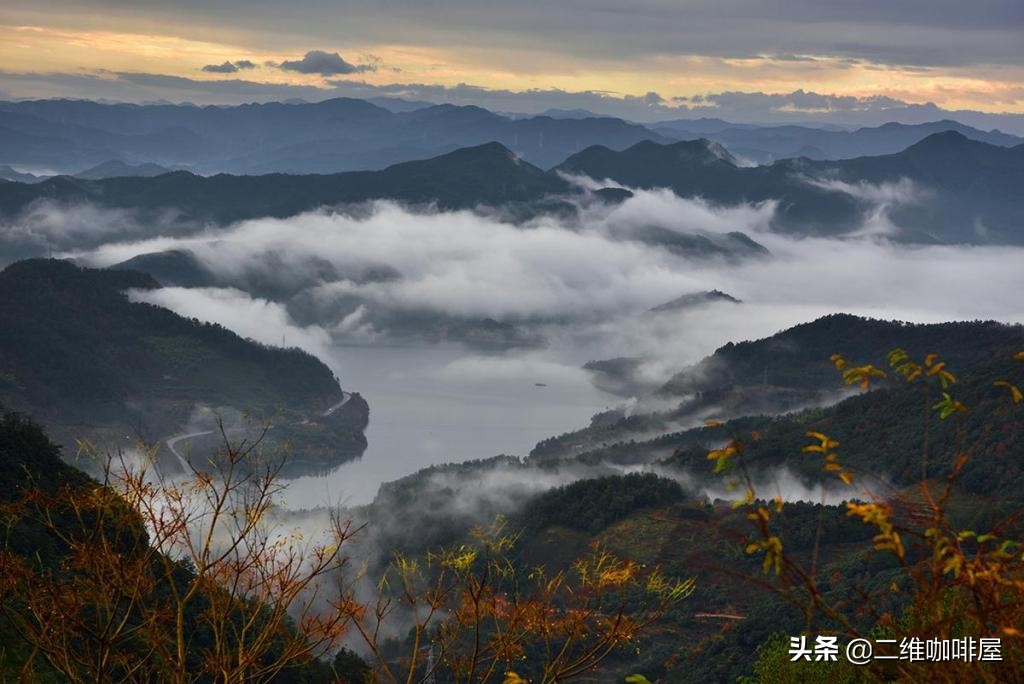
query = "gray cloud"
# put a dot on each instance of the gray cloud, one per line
(505, 272)
(742, 107)
(912, 32)
(225, 68)
(229, 67)
(325, 64)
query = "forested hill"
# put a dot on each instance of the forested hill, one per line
(798, 357)
(76, 350)
(785, 372)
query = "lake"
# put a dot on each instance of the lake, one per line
(443, 404)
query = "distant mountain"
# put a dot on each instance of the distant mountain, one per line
(173, 268)
(570, 114)
(540, 140)
(696, 244)
(115, 168)
(80, 357)
(488, 174)
(764, 144)
(944, 189)
(9, 174)
(693, 299)
(648, 164)
(342, 134)
(960, 190)
(702, 168)
(968, 191)
(397, 104)
(346, 134)
(704, 127)
(624, 376)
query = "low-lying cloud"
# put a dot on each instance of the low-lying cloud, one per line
(258, 319)
(586, 287)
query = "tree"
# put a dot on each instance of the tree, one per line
(476, 616)
(176, 579)
(139, 576)
(949, 582)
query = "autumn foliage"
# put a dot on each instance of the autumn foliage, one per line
(953, 582)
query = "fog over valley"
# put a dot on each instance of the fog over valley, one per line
(361, 371)
(468, 334)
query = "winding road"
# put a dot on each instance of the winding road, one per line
(172, 442)
(345, 396)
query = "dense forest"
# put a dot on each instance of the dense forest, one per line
(77, 351)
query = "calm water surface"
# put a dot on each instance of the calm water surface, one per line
(441, 404)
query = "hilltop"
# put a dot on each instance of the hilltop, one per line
(945, 188)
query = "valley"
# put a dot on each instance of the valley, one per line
(484, 374)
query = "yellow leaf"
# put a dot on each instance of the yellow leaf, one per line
(712, 423)
(1014, 390)
(747, 499)
(897, 355)
(847, 478)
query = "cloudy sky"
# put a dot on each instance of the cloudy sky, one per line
(655, 55)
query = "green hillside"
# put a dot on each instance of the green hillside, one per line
(81, 357)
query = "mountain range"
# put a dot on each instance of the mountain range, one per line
(764, 144)
(47, 137)
(944, 189)
(335, 135)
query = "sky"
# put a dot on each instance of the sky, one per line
(644, 59)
